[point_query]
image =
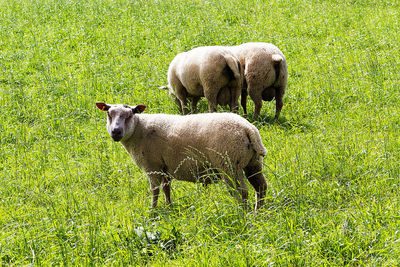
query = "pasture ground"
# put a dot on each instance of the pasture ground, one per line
(69, 195)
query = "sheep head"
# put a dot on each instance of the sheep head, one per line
(120, 119)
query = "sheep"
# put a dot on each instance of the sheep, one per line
(210, 71)
(196, 148)
(265, 74)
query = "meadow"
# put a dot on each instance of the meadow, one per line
(69, 195)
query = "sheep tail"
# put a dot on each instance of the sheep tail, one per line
(277, 60)
(255, 141)
(234, 65)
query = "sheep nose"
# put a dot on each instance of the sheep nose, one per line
(116, 131)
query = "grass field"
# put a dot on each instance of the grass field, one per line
(69, 195)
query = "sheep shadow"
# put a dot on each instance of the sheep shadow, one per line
(265, 120)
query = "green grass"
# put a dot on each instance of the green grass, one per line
(69, 195)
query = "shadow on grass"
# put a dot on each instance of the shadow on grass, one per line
(263, 120)
(163, 210)
(282, 122)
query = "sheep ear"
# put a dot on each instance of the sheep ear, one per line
(103, 106)
(138, 109)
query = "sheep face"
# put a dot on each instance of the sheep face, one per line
(120, 119)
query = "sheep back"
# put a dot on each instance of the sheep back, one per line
(186, 146)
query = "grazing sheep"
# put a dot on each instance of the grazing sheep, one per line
(195, 148)
(211, 71)
(265, 74)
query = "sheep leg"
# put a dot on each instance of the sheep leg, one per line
(257, 108)
(185, 110)
(279, 102)
(178, 103)
(243, 101)
(238, 188)
(234, 105)
(257, 180)
(244, 191)
(155, 183)
(256, 97)
(166, 187)
(180, 94)
(212, 106)
(212, 99)
(154, 199)
(195, 100)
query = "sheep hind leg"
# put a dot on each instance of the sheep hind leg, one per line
(257, 180)
(243, 101)
(181, 95)
(184, 107)
(238, 188)
(194, 102)
(255, 93)
(166, 187)
(211, 94)
(178, 103)
(212, 103)
(257, 106)
(234, 103)
(155, 191)
(279, 101)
